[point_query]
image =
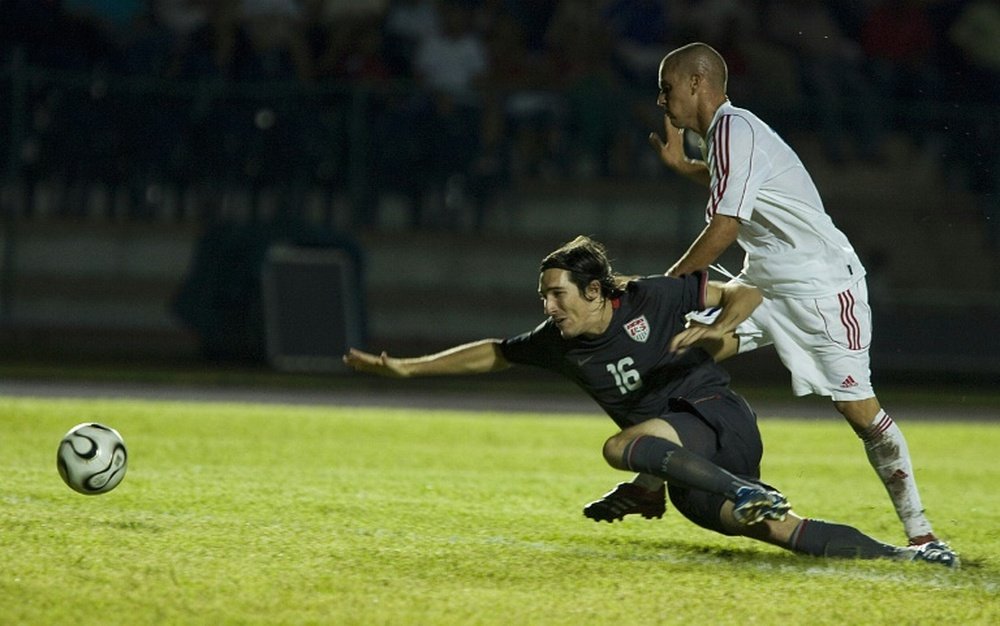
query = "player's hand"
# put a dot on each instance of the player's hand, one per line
(670, 147)
(380, 364)
(696, 333)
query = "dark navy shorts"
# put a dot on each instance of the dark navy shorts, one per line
(721, 427)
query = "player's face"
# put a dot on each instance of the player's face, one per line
(572, 313)
(676, 101)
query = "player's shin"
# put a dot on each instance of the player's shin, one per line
(671, 462)
(889, 455)
(819, 538)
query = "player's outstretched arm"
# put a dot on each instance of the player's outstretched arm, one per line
(670, 149)
(472, 358)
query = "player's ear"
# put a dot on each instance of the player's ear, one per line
(593, 290)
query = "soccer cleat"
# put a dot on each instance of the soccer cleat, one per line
(627, 499)
(755, 504)
(933, 552)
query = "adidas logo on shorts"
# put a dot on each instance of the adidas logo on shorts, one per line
(848, 383)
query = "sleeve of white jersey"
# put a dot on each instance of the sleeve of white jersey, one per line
(738, 168)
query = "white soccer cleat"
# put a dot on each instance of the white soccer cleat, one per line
(755, 504)
(933, 552)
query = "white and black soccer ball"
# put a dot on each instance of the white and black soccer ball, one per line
(92, 458)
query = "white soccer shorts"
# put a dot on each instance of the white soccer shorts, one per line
(823, 342)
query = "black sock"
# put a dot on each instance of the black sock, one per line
(820, 538)
(677, 466)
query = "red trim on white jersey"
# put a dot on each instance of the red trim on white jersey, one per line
(721, 150)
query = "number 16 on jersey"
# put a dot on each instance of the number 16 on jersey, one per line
(626, 378)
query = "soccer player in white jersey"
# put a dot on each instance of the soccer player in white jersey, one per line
(815, 310)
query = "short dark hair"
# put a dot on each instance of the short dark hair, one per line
(703, 58)
(586, 260)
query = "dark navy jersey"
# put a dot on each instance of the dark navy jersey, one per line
(629, 369)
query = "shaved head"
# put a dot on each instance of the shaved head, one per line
(701, 59)
(692, 85)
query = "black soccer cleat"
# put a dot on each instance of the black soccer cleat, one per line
(627, 499)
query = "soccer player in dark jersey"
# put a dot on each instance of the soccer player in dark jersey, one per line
(625, 342)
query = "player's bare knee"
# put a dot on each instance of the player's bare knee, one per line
(614, 449)
(859, 413)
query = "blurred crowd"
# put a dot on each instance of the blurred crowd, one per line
(447, 101)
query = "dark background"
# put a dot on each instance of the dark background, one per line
(151, 153)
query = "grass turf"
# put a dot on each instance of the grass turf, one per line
(248, 514)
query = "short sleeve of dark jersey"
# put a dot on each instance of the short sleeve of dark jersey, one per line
(540, 346)
(683, 295)
(696, 291)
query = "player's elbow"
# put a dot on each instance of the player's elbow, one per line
(724, 228)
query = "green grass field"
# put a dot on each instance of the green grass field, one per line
(251, 514)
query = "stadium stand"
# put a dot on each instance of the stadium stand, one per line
(128, 135)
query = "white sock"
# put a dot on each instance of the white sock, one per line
(890, 457)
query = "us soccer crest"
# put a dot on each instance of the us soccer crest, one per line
(638, 329)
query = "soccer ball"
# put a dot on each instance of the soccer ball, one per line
(92, 458)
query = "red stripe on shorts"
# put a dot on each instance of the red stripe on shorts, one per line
(849, 320)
